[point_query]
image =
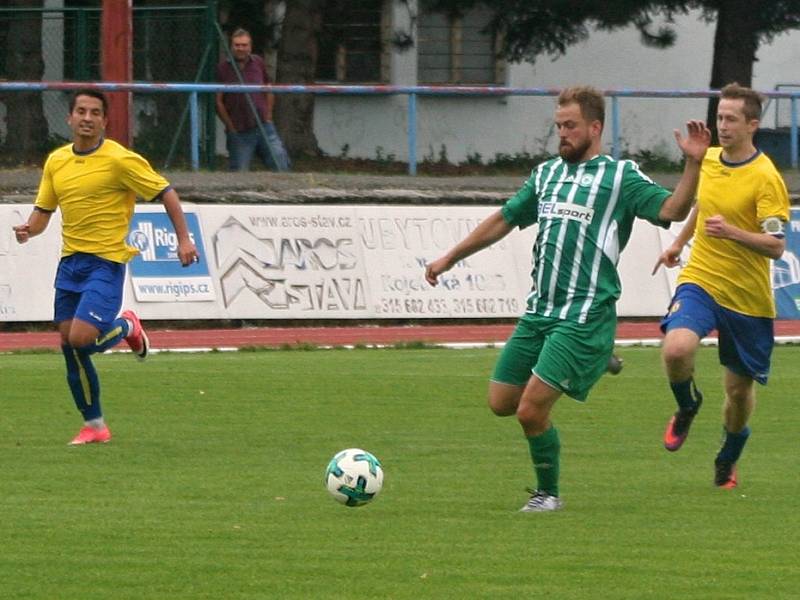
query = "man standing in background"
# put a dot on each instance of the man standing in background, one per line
(248, 117)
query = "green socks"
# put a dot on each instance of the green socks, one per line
(545, 450)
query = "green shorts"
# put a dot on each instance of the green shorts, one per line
(568, 356)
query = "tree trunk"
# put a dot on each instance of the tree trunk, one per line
(297, 63)
(735, 45)
(26, 128)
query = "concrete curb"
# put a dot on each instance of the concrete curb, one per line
(20, 185)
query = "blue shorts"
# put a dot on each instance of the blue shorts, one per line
(88, 288)
(745, 342)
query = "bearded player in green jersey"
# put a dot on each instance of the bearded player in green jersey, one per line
(584, 203)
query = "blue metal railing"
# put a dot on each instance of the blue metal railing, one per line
(193, 89)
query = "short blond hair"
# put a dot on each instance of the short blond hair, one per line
(753, 101)
(590, 99)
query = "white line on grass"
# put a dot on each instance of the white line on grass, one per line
(625, 343)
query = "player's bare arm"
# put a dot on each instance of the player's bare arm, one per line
(671, 257)
(766, 244)
(693, 146)
(488, 231)
(187, 253)
(36, 224)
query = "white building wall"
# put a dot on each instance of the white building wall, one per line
(487, 126)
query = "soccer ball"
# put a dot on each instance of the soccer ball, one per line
(614, 365)
(354, 477)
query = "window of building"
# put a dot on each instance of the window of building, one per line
(351, 42)
(458, 50)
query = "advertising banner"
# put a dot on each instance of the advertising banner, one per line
(357, 262)
(316, 262)
(156, 274)
(286, 262)
(398, 244)
(786, 272)
(27, 271)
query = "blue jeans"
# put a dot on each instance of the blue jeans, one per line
(242, 144)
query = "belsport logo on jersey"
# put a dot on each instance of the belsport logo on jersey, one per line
(565, 210)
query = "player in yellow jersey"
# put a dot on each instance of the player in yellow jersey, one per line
(737, 227)
(95, 181)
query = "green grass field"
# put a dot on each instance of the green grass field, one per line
(213, 484)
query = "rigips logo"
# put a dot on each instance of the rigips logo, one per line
(153, 242)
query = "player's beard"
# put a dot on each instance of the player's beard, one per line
(572, 153)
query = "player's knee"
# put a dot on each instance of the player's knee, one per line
(503, 399)
(80, 340)
(501, 408)
(532, 417)
(676, 353)
(738, 397)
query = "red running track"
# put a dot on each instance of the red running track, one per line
(337, 336)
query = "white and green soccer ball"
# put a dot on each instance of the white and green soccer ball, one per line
(354, 477)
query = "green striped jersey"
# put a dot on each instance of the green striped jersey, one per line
(585, 213)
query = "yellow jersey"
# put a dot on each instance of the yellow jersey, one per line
(96, 192)
(745, 194)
